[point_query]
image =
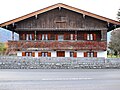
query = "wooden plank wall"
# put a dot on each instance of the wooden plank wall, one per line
(61, 19)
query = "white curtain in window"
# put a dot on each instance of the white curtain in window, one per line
(91, 36)
(71, 36)
(30, 36)
(46, 37)
(27, 37)
(42, 36)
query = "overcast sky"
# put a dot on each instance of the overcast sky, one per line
(10, 9)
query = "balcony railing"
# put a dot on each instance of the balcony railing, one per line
(58, 45)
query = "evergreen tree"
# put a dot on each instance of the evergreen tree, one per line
(118, 15)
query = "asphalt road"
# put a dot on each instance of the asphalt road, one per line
(55, 79)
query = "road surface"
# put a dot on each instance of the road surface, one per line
(60, 79)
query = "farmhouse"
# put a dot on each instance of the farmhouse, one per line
(60, 31)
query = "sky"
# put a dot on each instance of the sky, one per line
(11, 9)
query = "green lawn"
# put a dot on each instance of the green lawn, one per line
(113, 56)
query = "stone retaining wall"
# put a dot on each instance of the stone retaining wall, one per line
(10, 62)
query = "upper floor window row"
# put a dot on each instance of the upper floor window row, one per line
(60, 37)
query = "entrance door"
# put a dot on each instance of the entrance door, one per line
(60, 53)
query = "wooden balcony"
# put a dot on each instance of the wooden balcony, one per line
(58, 45)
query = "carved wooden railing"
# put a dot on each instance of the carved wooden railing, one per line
(61, 45)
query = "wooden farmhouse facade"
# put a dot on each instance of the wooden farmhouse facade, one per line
(60, 31)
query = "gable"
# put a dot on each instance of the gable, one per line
(60, 18)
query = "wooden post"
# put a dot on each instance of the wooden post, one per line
(103, 34)
(12, 35)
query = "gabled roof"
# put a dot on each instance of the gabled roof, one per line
(57, 6)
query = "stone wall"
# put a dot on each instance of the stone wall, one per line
(10, 62)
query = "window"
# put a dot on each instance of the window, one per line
(44, 37)
(60, 37)
(89, 36)
(52, 37)
(28, 54)
(90, 54)
(66, 36)
(44, 54)
(71, 54)
(71, 36)
(28, 36)
(60, 53)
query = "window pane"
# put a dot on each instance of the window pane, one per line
(46, 37)
(88, 36)
(91, 54)
(30, 36)
(71, 36)
(91, 36)
(88, 54)
(71, 54)
(60, 37)
(42, 54)
(27, 37)
(52, 37)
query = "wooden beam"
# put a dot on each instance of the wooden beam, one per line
(59, 29)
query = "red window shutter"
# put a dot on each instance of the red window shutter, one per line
(39, 54)
(94, 36)
(33, 54)
(23, 54)
(23, 36)
(74, 36)
(49, 54)
(56, 37)
(49, 36)
(95, 54)
(40, 36)
(33, 37)
(85, 54)
(65, 36)
(85, 36)
(75, 54)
